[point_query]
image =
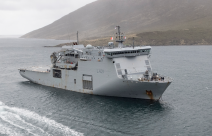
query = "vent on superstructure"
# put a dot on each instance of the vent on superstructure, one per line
(147, 62)
(118, 66)
(119, 72)
(87, 82)
(149, 68)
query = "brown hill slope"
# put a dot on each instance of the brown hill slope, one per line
(172, 37)
(99, 18)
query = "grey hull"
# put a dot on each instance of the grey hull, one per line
(119, 72)
(110, 87)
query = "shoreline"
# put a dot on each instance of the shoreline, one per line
(139, 45)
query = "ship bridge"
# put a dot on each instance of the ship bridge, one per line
(127, 52)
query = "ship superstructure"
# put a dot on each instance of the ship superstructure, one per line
(110, 71)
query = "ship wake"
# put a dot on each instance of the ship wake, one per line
(20, 122)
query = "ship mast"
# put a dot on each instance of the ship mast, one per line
(77, 39)
(119, 37)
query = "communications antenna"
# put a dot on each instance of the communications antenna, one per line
(120, 38)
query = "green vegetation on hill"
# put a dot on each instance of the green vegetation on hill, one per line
(176, 37)
(171, 37)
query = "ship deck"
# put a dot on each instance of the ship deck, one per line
(44, 69)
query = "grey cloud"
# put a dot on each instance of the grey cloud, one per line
(40, 4)
(33, 14)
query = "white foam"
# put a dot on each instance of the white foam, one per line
(8, 131)
(21, 125)
(29, 122)
(1, 108)
(1, 103)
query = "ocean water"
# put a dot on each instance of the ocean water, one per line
(28, 109)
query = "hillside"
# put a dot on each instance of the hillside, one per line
(171, 37)
(99, 19)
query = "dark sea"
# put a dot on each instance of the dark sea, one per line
(28, 109)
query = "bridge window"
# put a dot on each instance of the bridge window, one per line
(126, 52)
(107, 53)
(70, 55)
(143, 51)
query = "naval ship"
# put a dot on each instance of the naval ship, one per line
(119, 71)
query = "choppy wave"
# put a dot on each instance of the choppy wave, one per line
(20, 122)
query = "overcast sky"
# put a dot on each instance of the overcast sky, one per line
(18, 17)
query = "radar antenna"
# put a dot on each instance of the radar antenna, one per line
(77, 39)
